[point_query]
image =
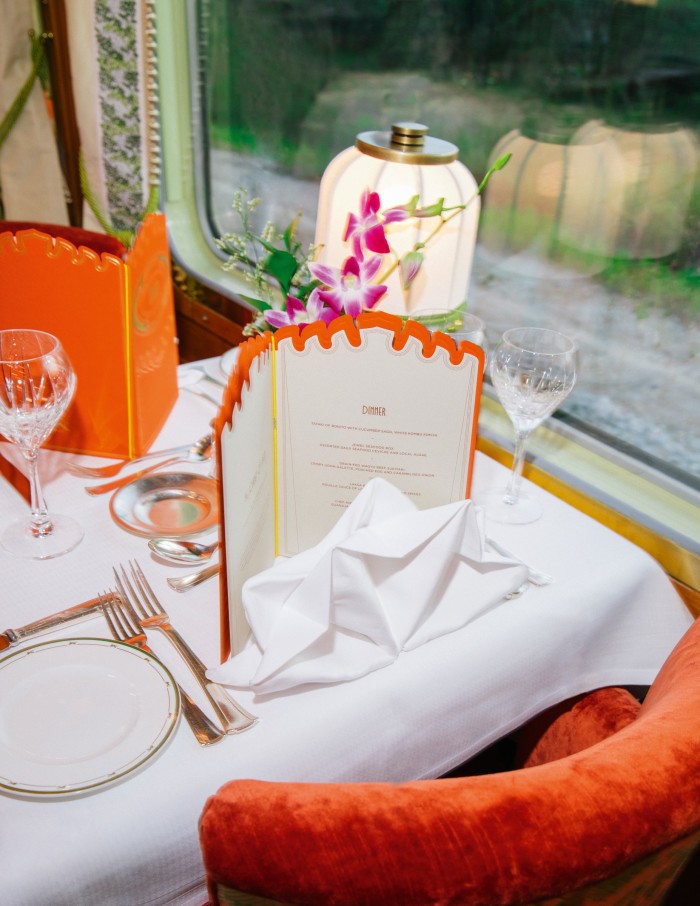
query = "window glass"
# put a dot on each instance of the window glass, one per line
(593, 226)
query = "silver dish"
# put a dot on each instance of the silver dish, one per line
(167, 505)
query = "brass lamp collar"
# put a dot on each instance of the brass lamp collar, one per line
(407, 143)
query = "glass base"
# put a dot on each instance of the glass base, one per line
(497, 509)
(19, 540)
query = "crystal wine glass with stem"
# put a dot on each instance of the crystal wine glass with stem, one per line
(37, 384)
(533, 370)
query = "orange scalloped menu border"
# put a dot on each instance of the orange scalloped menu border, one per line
(402, 329)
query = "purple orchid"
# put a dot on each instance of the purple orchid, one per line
(349, 288)
(298, 313)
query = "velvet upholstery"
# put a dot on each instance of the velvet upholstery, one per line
(611, 823)
(575, 725)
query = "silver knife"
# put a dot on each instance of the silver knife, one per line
(46, 624)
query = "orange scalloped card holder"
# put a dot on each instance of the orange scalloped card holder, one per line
(300, 379)
(115, 319)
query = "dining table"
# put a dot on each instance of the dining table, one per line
(609, 617)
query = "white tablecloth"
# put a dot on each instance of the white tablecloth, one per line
(610, 617)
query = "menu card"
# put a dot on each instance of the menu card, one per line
(312, 413)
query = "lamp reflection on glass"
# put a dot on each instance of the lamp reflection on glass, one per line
(659, 171)
(557, 202)
(606, 193)
(398, 166)
(457, 324)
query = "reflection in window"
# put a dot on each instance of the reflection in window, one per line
(591, 229)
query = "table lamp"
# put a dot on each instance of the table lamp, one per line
(399, 165)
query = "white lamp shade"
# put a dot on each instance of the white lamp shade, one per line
(443, 280)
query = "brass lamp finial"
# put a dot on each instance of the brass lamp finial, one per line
(407, 143)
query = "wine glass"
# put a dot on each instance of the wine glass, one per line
(473, 330)
(456, 323)
(37, 384)
(533, 370)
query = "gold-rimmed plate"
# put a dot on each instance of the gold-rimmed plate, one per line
(77, 715)
(166, 505)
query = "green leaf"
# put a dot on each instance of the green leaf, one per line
(304, 289)
(282, 266)
(290, 232)
(266, 245)
(256, 303)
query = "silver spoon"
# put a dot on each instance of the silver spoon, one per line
(185, 582)
(182, 551)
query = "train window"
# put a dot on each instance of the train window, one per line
(594, 227)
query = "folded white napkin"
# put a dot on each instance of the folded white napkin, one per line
(388, 577)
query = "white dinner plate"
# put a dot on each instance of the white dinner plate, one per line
(77, 715)
(166, 505)
(228, 360)
(188, 377)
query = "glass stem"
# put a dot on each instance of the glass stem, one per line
(512, 493)
(40, 524)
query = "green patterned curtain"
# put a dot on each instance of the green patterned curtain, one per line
(114, 69)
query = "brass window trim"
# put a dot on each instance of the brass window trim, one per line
(681, 565)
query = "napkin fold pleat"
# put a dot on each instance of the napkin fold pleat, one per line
(387, 578)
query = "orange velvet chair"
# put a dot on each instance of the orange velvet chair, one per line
(605, 809)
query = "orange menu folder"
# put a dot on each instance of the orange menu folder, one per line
(116, 321)
(311, 414)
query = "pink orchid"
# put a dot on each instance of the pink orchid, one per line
(349, 289)
(298, 313)
(366, 231)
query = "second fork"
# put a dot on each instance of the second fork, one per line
(122, 631)
(139, 596)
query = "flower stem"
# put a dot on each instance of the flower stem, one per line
(423, 243)
(497, 165)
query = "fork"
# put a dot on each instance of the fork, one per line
(197, 449)
(124, 630)
(116, 483)
(140, 597)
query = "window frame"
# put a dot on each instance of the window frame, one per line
(636, 500)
